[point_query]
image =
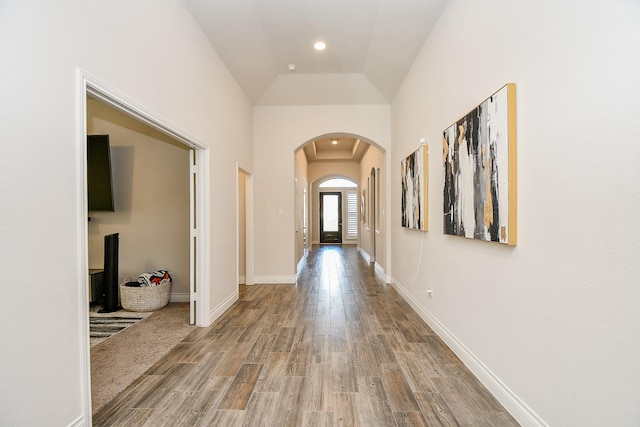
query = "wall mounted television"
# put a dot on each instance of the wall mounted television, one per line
(99, 181)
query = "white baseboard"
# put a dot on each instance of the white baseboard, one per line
(365, 255)
(275, 280)
(218, 310)
(80, 422)
(381, 272)
(516, 407)
(379, 269)
(242, 280)
(179, 297)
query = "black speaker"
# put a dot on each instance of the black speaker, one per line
(110, 300)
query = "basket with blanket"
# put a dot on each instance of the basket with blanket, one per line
(150, 292)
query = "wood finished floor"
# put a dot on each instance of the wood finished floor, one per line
(340, 348)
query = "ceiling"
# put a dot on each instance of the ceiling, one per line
(371, 44)
(345, 149)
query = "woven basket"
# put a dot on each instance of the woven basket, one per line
(144, 298)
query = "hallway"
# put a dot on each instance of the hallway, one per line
(339, 348)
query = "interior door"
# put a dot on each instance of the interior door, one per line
(330, 217)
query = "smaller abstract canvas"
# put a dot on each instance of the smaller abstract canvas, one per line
(414, 189)
(479, 163)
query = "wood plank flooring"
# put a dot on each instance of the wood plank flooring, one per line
(339, 348)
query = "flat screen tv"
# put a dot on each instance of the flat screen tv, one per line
(99, 183)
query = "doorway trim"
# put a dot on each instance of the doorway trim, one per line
(249, 274)
(373, 220)
(86, 85)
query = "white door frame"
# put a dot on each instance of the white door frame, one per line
(89, 86)
(249, 274)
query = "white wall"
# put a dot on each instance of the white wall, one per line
(375, 159)
(301, 186)
(150, 174)
(278, 132)
(154, 55)
(555, 320)
(242, 227)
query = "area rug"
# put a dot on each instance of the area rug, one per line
(105, 325)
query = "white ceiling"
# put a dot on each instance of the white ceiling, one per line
(371, 44)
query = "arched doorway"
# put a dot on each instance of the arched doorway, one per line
(353, 157)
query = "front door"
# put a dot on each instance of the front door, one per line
(331, 217)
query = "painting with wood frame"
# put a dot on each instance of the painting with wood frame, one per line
(414, 189)
(479, 163)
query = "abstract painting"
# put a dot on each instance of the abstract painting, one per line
(414, 189)
(479, 157)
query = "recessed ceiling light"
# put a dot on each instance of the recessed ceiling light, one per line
(334, 141)
(320, 45)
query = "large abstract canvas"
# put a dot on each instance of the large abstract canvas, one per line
(414, 189)
(479, 156)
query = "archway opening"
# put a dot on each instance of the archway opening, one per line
(342, 156)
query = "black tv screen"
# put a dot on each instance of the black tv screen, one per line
(99, 184)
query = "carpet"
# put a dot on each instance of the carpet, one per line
(105, 325)
(119, 361)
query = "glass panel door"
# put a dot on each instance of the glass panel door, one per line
(330, 217)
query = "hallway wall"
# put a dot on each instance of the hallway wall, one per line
(242, 227)
(278, 132)
(318, 170)
(301, 184)
(375, 159)
(551, 325)
(154, 55)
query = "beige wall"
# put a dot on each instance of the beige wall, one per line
(323, 170)
(278, 133)
(551, 325)
(301, 187)
(374, 158)
(151, 191)
(159, 61)
(242, 227)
